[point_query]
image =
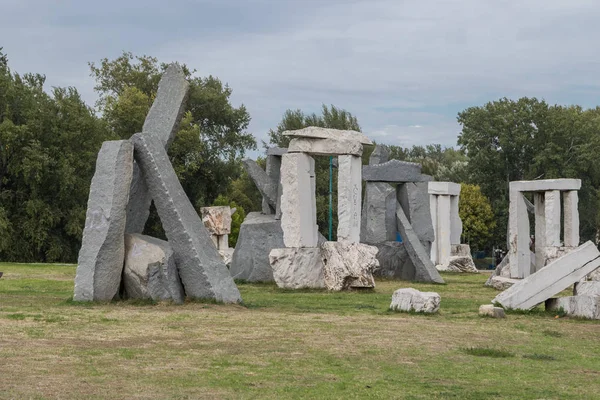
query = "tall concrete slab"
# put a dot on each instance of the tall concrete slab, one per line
(102, 252)
(272, 169)
(349, 198)
(378, 217)
(414, 199)
(571, 219)
(552, 212)
(298, 203)
(425, 271)
(518, 235)
(161, 122)
(443, 244)
(433, 207)
(539, 201)
(201, 268)
(456, 225)
(552, 279)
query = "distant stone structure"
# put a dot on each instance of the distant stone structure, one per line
(346, 263)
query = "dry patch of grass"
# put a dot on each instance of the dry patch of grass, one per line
(283, 344)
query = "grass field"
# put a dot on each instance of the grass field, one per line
(283, 344)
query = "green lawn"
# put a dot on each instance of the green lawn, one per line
(284, 344)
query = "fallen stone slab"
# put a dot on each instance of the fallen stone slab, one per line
(410, 299)
(100, 261)
(316, 132)
(425, 271)
(217, 219)
(378, 222)
(150, 271)
(264, 184)
(488, 310)
(393, 171)
(586, 288)
(259, 234)
(325, 147)
(552, 279)
(162, 122)
(202, 271)
(297, 268)
(348, 265)
(582, 306)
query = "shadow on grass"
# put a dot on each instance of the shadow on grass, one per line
(487, 352)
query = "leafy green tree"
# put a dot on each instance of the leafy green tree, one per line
(212, 138)
(477, 217)
(48, 148)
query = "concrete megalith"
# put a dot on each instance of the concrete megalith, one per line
(414, 200)
(380, 155)
(425, 271)
(394, 262)
(348, 265)
(100, 262)
(378, 219)
(150, 271)
(552, 279)
(162, 122)
(393, 171)
(582, 306)
(349, 198)
(202, 271)
(259, 234)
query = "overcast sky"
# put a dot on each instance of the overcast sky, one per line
(404, 68)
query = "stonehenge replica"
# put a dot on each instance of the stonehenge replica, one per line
(407, 227)
(115, 260)
(529, 278)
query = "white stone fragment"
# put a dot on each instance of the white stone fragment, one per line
(349, 198)
(326, 147)
(577, 306)
(552, 279)
(501, 283)
(298, 204)
(348, 265)
(297, 268)
(410, 299)
(588, 288)
(488, 310)
(217, 220)
(571, 219)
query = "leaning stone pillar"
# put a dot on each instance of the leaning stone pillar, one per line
(298, 203)
(518, 234)
(349, 198)
(571, 219)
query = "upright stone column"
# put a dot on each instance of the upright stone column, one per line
(444, 248)
(571, 219)
(552, 210)
(539, 202)
(272, 169)
(349, 198)
(456, 226)
(298, 203)
(433, 205)
(102, 252)
(518, 233)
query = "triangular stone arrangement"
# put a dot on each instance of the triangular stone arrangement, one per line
(120, 196)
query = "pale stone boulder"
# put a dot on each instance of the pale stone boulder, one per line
(582, 306)
(217, 219)
(488, 310)
(459, 261)
(501, 283)
(297, 268)
(594, 276)
(201, 268)
(552, 279)
(150, 271)
(100, 261)
(410, 299)
(587, 288)
(227, 256)
(348, 265)
(162, 122)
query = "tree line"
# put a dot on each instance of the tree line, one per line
(49, 142)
